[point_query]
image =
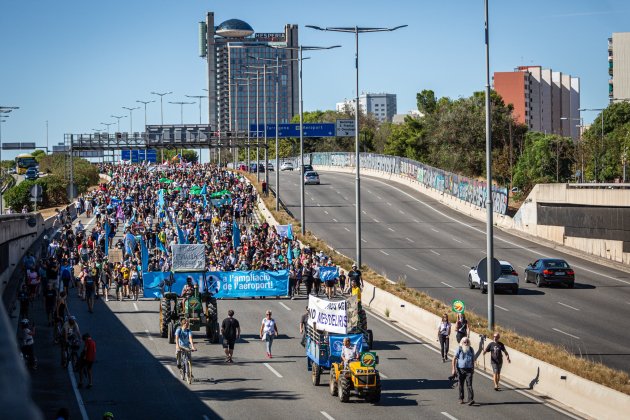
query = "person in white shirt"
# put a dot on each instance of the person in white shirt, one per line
(268, 330)
(348, 352)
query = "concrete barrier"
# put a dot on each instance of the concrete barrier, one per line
(545, 380)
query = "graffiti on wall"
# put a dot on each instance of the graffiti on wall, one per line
(465, 189)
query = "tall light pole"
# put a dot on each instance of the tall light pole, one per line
(301, 48)
(107, 125)
(257, 73)
(161, 95)
(597, 160)
(181, 109)
(3, 110)
(130, 117)
(248, 84)
(46, 136)
(145, 103)
(118, 117)
(356, 31)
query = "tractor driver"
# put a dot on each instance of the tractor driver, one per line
(187, 291)
(348, 352)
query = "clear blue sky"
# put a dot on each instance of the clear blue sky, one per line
(75, 63)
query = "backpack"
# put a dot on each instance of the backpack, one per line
(65, 274)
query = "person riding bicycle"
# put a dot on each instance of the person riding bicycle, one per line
(348, 352)
(183, 340)
(71, 336)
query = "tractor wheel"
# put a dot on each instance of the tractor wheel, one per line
(171, 333)
(370, 339)
(362, 319)
(332, 385)
(165, 309)
(375, 396)
(316, 374)
(344, 388)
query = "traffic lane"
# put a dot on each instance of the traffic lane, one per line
(565, 324)
(130, 378)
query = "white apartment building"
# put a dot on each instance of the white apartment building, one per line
(619, 66)
(381, 105)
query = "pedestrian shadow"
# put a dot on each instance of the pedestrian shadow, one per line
(415, 384)
(396, 399)
(389, 345)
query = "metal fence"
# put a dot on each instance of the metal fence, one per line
(464, 188)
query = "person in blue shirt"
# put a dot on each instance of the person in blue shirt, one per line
(464, 366)
(183, 338)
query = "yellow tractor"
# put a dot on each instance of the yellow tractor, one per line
(359, 378)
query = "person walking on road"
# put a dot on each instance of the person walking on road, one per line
(303, 325)
(464, 365)
(444, 335)
(268, 331)
(88, 356)
(496, 350)
(231, 331)
(461, 327)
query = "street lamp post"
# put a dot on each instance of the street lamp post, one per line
(3, 110)
(248, 84)
(257, 123)
(161, 95)
(130, 117)
(301, 48)
(356, 31)
(118, 117)
(181, 118)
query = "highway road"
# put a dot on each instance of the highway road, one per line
(135, 374)
(408, 235)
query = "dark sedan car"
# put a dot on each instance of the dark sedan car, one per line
(550, 271)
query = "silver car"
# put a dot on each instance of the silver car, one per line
(286, 166)
(507, 281)
(311, 177)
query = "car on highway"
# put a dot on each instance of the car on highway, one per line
(311, 177)
(286, 166)
(242, 167)
(550, 271)
(269, 166)
(307, 168)
(508, 280)
(31, 174)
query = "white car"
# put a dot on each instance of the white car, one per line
(507, 281)
(311, 177)
(286, 166)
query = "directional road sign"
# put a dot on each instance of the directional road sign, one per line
(18, 146)
(136, 156)
(293, 130)
(345, 128)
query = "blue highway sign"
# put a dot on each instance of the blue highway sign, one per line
(139, 155)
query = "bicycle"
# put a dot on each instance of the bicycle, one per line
(185, 364)
(72, 355)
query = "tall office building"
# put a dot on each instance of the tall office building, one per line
(619, 66)
(381, 105)
(228, 48)
(544, 100)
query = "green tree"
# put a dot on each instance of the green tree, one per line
(426, 101)
(38, 154)
(19, 196)
(85, 173)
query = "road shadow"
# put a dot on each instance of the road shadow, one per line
(397, 399)
(415, 384)
(238, 394)
(529, 292)
(391, 345)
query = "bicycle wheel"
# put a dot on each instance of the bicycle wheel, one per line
(189, 377)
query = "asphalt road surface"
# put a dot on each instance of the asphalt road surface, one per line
(135, 374)
(408, 235)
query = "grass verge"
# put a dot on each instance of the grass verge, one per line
(550, 353)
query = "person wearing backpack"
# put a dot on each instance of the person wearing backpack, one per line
(464, 365)
(496, 350)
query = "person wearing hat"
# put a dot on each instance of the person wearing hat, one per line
(187, 291)
(354, 276)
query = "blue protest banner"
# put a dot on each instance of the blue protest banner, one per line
(144, 255)
(328, 273)
(336, 343)
(233, 284)
(152, 283)
(236, 235)
(107, 232)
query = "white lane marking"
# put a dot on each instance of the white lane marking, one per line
(465, 266)
(507, 241)
(170, 369)
(312, 198)
(347, 229)
(434, 230)
(363, 240)
(136, 307)
(413, 268)
(363, 211)
(416, 221)
(370, 191)
(447, 285)
(275, 372)
(448, 416)
(295, 183)
(337, 191)
(389, 204)
(383, 252)
(485, 375)
(327, 416)
(568, 306)
(284, 306)
(457, 240)
(325, 211)
(410, 240)
(566, 333)
(501, 307)
(383, 375)
(319, 205)
(307, 193)
(391, 229)
(334, 220)
(379, 197)
(401, 212)
(77, 394)
(436, 253)
(148, 335)
(376, 221)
